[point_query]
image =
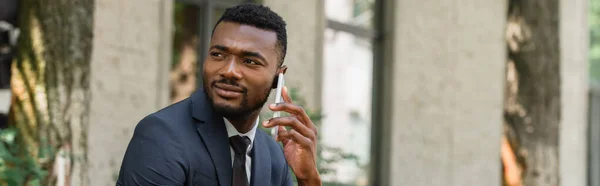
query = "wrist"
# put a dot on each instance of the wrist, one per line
(310, 181)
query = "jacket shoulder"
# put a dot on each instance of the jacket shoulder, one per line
(170, 123)
(175, 110)
(275, 149)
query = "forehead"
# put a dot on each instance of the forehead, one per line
(244, 37)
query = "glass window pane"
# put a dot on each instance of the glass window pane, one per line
(185, 50)
(353, 12)
(594, 53)
(347, 90)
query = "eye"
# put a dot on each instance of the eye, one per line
(251, 62)
(217, 55)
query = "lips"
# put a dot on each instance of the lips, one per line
(228, 91)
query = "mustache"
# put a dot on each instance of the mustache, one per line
(229, 82)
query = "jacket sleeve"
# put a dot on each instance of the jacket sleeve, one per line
(154, 156)
(287, 180)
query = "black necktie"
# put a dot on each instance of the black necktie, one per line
(240, 145)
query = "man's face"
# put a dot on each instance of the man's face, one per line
(240, 68)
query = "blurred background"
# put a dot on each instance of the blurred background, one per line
(405, 92)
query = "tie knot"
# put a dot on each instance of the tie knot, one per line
(239, 143)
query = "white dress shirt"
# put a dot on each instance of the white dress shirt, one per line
(231, 131)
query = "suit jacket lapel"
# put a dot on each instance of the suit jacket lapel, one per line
(212, 131)
(261, 160)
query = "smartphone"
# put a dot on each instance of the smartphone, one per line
(278, 99)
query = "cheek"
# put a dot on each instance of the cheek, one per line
(208, 66)
(209, 70)
(260, 86)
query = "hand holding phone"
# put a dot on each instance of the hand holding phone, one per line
(300, 140)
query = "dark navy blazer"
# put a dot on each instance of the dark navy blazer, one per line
(187, 144)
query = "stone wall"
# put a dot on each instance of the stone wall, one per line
(130, 60)
(443, 101)
(574, 44)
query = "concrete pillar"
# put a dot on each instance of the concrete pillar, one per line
(443, 92)
(574, 43)
(305, 27)
(130, 62)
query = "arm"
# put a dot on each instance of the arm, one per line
(288, 181)
(153, 157)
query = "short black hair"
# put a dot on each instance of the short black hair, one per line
(261, 17)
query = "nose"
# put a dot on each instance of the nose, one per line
(231, 71)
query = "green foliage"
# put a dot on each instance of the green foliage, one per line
(336, 154)
(594, 53)
(16, 167)
(361, 8)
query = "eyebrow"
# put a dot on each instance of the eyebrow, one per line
(244, 52)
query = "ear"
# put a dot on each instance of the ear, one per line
(281, 69)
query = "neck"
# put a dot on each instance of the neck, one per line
(244, 124)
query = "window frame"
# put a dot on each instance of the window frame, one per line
(593, 137)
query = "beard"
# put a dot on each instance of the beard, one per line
(244, 109)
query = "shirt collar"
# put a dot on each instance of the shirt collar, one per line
(231, 131)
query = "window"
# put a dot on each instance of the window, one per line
(347, 90)
(594, 51)
(193, 24)
(594, 96)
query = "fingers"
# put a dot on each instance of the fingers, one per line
(289, 108)
(303, 129)
(281, 130)
(296, 111)
(292, 122)
(292, 135)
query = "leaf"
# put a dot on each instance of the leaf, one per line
(8, 135)
(35, 182)
(14, 176)
(4, 152)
